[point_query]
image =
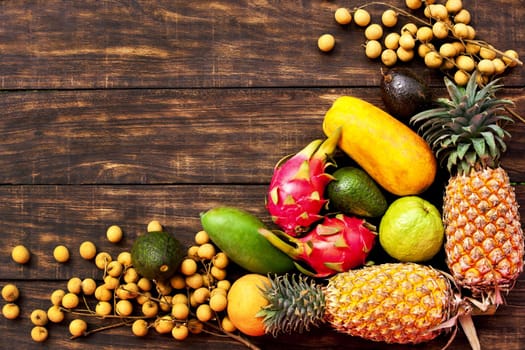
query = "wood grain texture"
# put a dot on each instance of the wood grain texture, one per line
(170, 136)
(121, 44)
(121, 112)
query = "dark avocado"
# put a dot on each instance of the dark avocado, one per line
(404, 94)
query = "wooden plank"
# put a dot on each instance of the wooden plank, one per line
(114, 44)
(43, 216)
(171, 136)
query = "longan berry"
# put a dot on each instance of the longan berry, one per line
(373, 49)
(103, 308)
(61, 253)
(404, 55)
(77, 327)
(218, 291)
(410, 28)
(220, 260)
(392, 41)
(10, 292)
(465, 63)
(192, 251)
(39, 334)
(201, 295)
(486, 67)
(114, 268)
(140, 328)
(102, 259)
(111, 282)
(10, 311)
(74, 285)
(202, 237)
(180, 332)
(460, 30)
(206, 251)
(472, 49)
(70, 301)
(87, 250)
(195, 326)
(362, 17)
(447, 50)
(326, 42)
(144, 284)
(342, 16)
(406, 41)
(124, 258)
(389, 57)
(180, 298)
(164, 288)
(150, 309)
(20, 254)
(114, 234)
(103, 294)
(165, 303)
(180, 311)
(154, 226)
(204, 313)
(178, 282)
(487, 52)
(433, 60)
(188, 267)
(471, 32)
(436, 11)
(389, 18)
(56, 296)
(440, 30)
(227, 325)
(128, 291)
(124, 307)
(143, 297)
(425, 48)
(55, 314)
(510, 57)
(447, 64)
(461, 77)
(224, 284)
(218, 274)
(39, 317)
(131, 275)
(373, 32)
(424, 34)
(218, 302)
(413, 4)
(460, 47)
(463, 16)
(453, 6)
(163, 324)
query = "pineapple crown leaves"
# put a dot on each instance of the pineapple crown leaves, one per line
(465, 131)
(296, 303)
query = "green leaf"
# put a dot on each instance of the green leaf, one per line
(479, 146)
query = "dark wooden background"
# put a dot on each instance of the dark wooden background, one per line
(121, 112)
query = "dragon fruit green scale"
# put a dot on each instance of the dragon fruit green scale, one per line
(296, 193)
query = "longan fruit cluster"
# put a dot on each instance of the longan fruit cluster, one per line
(195, 297)
(442, 36)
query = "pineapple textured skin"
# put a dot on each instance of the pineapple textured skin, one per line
(484, 238)
(394, 303)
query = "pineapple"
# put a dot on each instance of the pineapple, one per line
(403, 303)
(484, 238)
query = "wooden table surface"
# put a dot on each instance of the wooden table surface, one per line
(121, 112)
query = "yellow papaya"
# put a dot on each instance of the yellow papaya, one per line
(395, 156)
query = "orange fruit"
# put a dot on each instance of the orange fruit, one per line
(245, 299)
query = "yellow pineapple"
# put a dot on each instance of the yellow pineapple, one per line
(403, 303)
(484, 238)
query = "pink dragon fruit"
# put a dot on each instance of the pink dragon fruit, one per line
(296, 193)
(336, 245)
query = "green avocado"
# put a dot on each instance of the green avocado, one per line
(157, 255)
(354, 192)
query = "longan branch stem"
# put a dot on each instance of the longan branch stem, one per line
(484, 44)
